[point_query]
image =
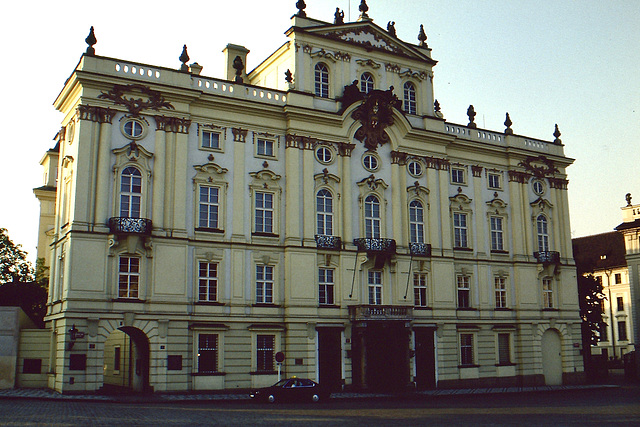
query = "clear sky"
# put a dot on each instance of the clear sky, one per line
(571, 62)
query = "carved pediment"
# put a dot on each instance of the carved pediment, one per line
(460, 201)
(371, 37)
(209, 172)
(541, 204)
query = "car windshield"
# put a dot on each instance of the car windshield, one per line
(280, 383)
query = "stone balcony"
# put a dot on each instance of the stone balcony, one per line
(420, 249)
(375, 245)
(126, 225)
(359, 313)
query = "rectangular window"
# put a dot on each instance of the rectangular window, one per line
(31, 366)
(264, 212)
(208, 207)
(622, 330)
(375, 287)
(504, 349)
(117, 355)
(466, 349)
(497, 243)
(603, 332)
(210, 140)
(207, 353)
(128, 277)
(207, 281)
(547, 293)
(620, 303)
(501, 292)
(618, 278)
(264, 284)
(420, 290)
(457, 176)
(326, 284)
(264, 357)
(460, 230)
(265, 147)
(464, 292)
(494, 181)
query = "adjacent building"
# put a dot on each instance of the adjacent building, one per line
(318, 206)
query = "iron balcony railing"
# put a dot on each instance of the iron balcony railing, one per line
(328, 242)
(420, 249)
(547, 257)
(375, 245)
(125, 225)
(381, 312)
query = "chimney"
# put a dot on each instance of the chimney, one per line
(231, 52)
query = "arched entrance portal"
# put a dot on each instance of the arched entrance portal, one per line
(126, 360)
(551, 357)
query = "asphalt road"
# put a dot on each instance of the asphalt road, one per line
(602, 407)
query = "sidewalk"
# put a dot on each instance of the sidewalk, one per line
(46, 394)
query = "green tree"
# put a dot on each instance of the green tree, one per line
(14, 266)
(591, 298)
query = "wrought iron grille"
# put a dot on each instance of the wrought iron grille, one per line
(328, 242)
(547, 257)
(125, 225)
(381, 312)
(420, 249)
(373, 245)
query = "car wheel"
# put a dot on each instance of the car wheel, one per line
(315, 398)
(271, 398)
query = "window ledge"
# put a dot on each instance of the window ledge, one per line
(466, 309)
(212, 303)
(420, 307)
(261, 234)
(506, 364)
(208, 374)
(328, 306)
(503, 309)
(456, 248)
(550, 309)
(128, 300)
(468, 366)
(264, 373)
(265, 304)
(210, 230)
(499, 252)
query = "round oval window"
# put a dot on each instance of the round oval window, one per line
(415, 168)
(324, 154)
(370, 162)
(538, 187)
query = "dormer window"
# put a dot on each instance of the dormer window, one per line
(366, 83)
(409, 102)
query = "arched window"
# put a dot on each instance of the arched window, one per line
(366, 83)
(416, 222)
(322, 81)
(130, 192)
(409, 98)
(324, 212)
(543, 233)
(372, 217)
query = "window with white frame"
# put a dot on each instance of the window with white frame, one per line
(325, 286)
(547, 293)
(420, 290)
(460, 230)
(324, 212)
(209, 206)
(133, 128)
(264, 147)
(414, 168)
(130, 192)
(370, 162)
(207, 281)
(464, 291)
(207, 353)
(409, 101)
(504, 348)
(366, 83)
(416, 222)
(497, 236)
(543, 233)
(466, 349)
(264, 284)
(263, 212)
(500, 287)
(372, 217)
(210, 140)
(458, 176)
(375, 287)
(321, 80)
(128, 276)
(494, 180)
(324, 154)
(265, 347)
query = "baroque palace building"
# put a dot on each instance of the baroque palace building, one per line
(319, 206)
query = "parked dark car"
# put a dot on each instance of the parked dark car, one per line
(291, 390)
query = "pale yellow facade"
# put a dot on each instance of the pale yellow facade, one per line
(214, 223)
